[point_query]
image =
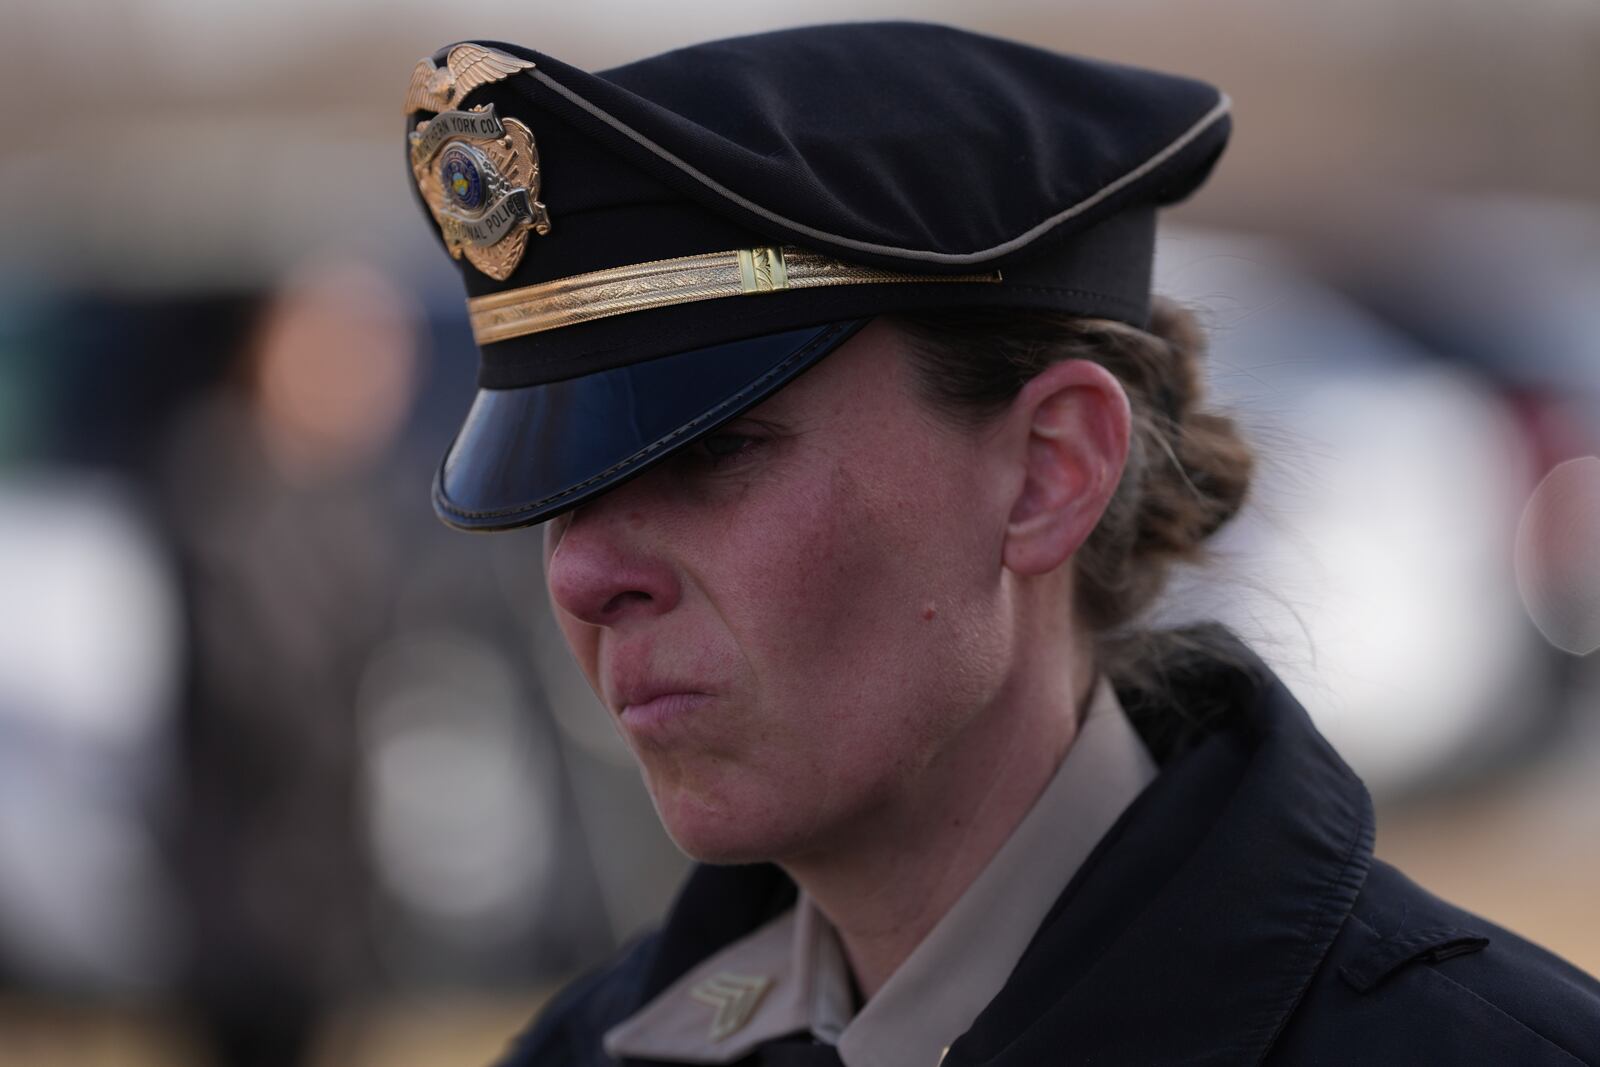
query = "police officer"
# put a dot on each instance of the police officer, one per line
(828, 360)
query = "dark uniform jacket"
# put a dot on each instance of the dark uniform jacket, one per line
(1234, 914)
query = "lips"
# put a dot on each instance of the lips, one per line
(657, 720)
(636, 690)
(646, 698)
(658, 697)
(664, 707)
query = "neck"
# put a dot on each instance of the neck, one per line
(891, 884)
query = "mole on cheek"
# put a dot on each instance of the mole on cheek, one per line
(929, 612)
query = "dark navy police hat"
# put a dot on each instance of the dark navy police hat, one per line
(651, 250)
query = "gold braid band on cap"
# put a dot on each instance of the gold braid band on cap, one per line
(664, 282)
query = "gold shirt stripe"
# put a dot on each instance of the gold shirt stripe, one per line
(664, 282)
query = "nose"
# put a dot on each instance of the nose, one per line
(605, 563)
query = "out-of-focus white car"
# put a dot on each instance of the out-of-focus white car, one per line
(1372, 565)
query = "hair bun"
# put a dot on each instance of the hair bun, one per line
(1206, 477)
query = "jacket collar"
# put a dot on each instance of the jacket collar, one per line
(1193, 927)
(1191, 934)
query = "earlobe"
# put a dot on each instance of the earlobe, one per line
(1077, 425)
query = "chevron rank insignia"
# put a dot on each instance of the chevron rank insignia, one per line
(735, 997)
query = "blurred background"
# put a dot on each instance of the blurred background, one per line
(291, 775)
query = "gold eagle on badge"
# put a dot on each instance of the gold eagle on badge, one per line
(435, 88)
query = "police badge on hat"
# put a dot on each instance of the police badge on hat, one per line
(478, 173)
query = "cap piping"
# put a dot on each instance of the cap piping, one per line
(926, 255)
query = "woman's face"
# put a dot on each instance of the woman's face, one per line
(795, 618)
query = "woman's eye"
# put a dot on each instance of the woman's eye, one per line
(720, 449)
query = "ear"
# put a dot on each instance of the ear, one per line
(1072, 422)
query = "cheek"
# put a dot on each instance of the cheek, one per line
(872, 631)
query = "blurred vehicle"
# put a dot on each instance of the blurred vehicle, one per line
(1373, 567)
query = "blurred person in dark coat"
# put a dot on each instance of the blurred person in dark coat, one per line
(827, 359)
(287, 567)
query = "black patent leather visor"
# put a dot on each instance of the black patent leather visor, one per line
(527, 454)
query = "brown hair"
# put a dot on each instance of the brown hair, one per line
(1188, 470)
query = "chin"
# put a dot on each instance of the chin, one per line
(721, 853)
(722, 831)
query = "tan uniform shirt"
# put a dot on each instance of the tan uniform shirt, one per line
(791, 975)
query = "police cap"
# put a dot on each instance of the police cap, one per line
(651, 250)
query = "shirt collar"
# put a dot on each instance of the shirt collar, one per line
(790, 975)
